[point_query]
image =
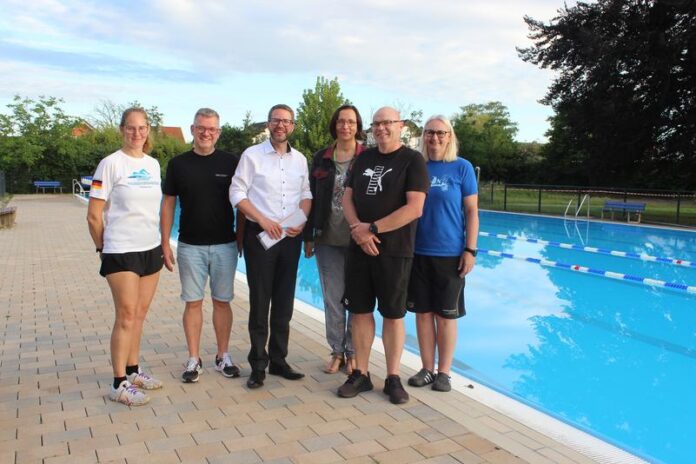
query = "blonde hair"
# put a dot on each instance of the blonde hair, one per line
(452, 148)
(147, 146)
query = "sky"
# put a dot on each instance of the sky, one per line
(234, 57)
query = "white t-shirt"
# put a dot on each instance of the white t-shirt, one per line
(133, 193)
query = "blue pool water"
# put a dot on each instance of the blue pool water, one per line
(616, 359)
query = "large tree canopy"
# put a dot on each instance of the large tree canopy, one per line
(314, 113)
(625, 95)
(486, 135)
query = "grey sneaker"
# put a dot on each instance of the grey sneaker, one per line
(422, 378)
(442, 382)
(226, 367)
(193, 369)
(396, 392)
(357, 383)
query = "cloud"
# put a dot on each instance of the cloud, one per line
(439, 51)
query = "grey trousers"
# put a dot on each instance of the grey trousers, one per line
(331, 264)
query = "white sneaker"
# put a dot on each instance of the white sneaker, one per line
(128, 395)
(144, 381)
(226, 367)
(194, 367)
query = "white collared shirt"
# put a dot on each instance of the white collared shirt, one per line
(273, 182)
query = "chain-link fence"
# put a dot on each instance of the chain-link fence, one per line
(659, 206)
(3, 185)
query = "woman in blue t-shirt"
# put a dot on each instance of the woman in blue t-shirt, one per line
(445, 252)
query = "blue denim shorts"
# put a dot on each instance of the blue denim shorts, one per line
(197, 262)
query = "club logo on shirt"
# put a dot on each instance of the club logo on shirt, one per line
(375, 176)
(442, 184)
(142, 178)
(141, 175)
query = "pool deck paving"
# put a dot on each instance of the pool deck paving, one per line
(56, 316)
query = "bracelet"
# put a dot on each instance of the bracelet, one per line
(99, 250)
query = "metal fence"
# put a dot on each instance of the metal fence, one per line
(665, 207)
(3, 185)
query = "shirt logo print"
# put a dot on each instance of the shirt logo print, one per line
(141, 175)
(375, 176)
(442, 184)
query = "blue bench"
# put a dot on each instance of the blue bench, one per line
(623, 207)
(44, 184)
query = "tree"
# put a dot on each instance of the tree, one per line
(625, 95)
(487, 138)
(35, 141)
(236, 139)
(108, 114)
(314, 114)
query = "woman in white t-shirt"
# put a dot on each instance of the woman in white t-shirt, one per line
(123, 218)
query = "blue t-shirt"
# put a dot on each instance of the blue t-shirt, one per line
(441, 227)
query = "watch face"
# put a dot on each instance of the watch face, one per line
(373, 228)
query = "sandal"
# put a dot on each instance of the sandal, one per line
(350, 365)
(335, 363)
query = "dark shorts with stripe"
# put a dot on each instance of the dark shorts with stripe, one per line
(383, 279)
(435, 287)
(142, 263)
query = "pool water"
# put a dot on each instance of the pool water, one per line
(614, 358)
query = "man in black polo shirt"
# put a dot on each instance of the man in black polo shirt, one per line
(207, 240)
(385, 193)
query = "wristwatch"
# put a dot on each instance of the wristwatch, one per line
(473, 251)
(373, 228)
(99, 250)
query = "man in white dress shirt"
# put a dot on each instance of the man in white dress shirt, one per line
(270, 184)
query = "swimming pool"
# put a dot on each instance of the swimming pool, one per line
(614, 358)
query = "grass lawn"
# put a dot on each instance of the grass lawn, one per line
(659, 209)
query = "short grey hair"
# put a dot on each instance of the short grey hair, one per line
(206, 113)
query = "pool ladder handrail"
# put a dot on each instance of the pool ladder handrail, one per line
(77, 188)
(579, 208)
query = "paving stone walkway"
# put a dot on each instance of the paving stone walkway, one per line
(55, 319)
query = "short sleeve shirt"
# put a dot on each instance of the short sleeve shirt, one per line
(379, 183)
(202, 184)
(131, 188)
(441, 228)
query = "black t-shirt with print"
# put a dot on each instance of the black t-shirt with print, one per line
(202, 184)
(380, 182)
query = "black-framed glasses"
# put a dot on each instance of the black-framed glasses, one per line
(386, 123)
(432, 133)
(285, 122)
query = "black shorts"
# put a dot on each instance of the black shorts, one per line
(381, 278)
(435, 287)
(142, 263)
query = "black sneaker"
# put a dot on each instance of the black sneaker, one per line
(193, 369)
(442, 382)
(422, 378)
(396, 392)
(225, 366)
(357, 383)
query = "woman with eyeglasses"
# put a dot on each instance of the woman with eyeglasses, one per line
(123, 219)
(327, 233)
(445, 252)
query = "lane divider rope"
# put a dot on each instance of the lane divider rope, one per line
(588, 270)
(604, 251)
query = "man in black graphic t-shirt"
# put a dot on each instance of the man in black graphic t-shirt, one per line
(207, 247)
(384, 197)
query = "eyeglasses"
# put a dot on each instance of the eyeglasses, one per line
(285, 122)
(346, 122)
(431, 133)
(385, 123)
(203, 129)
(134, 129)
